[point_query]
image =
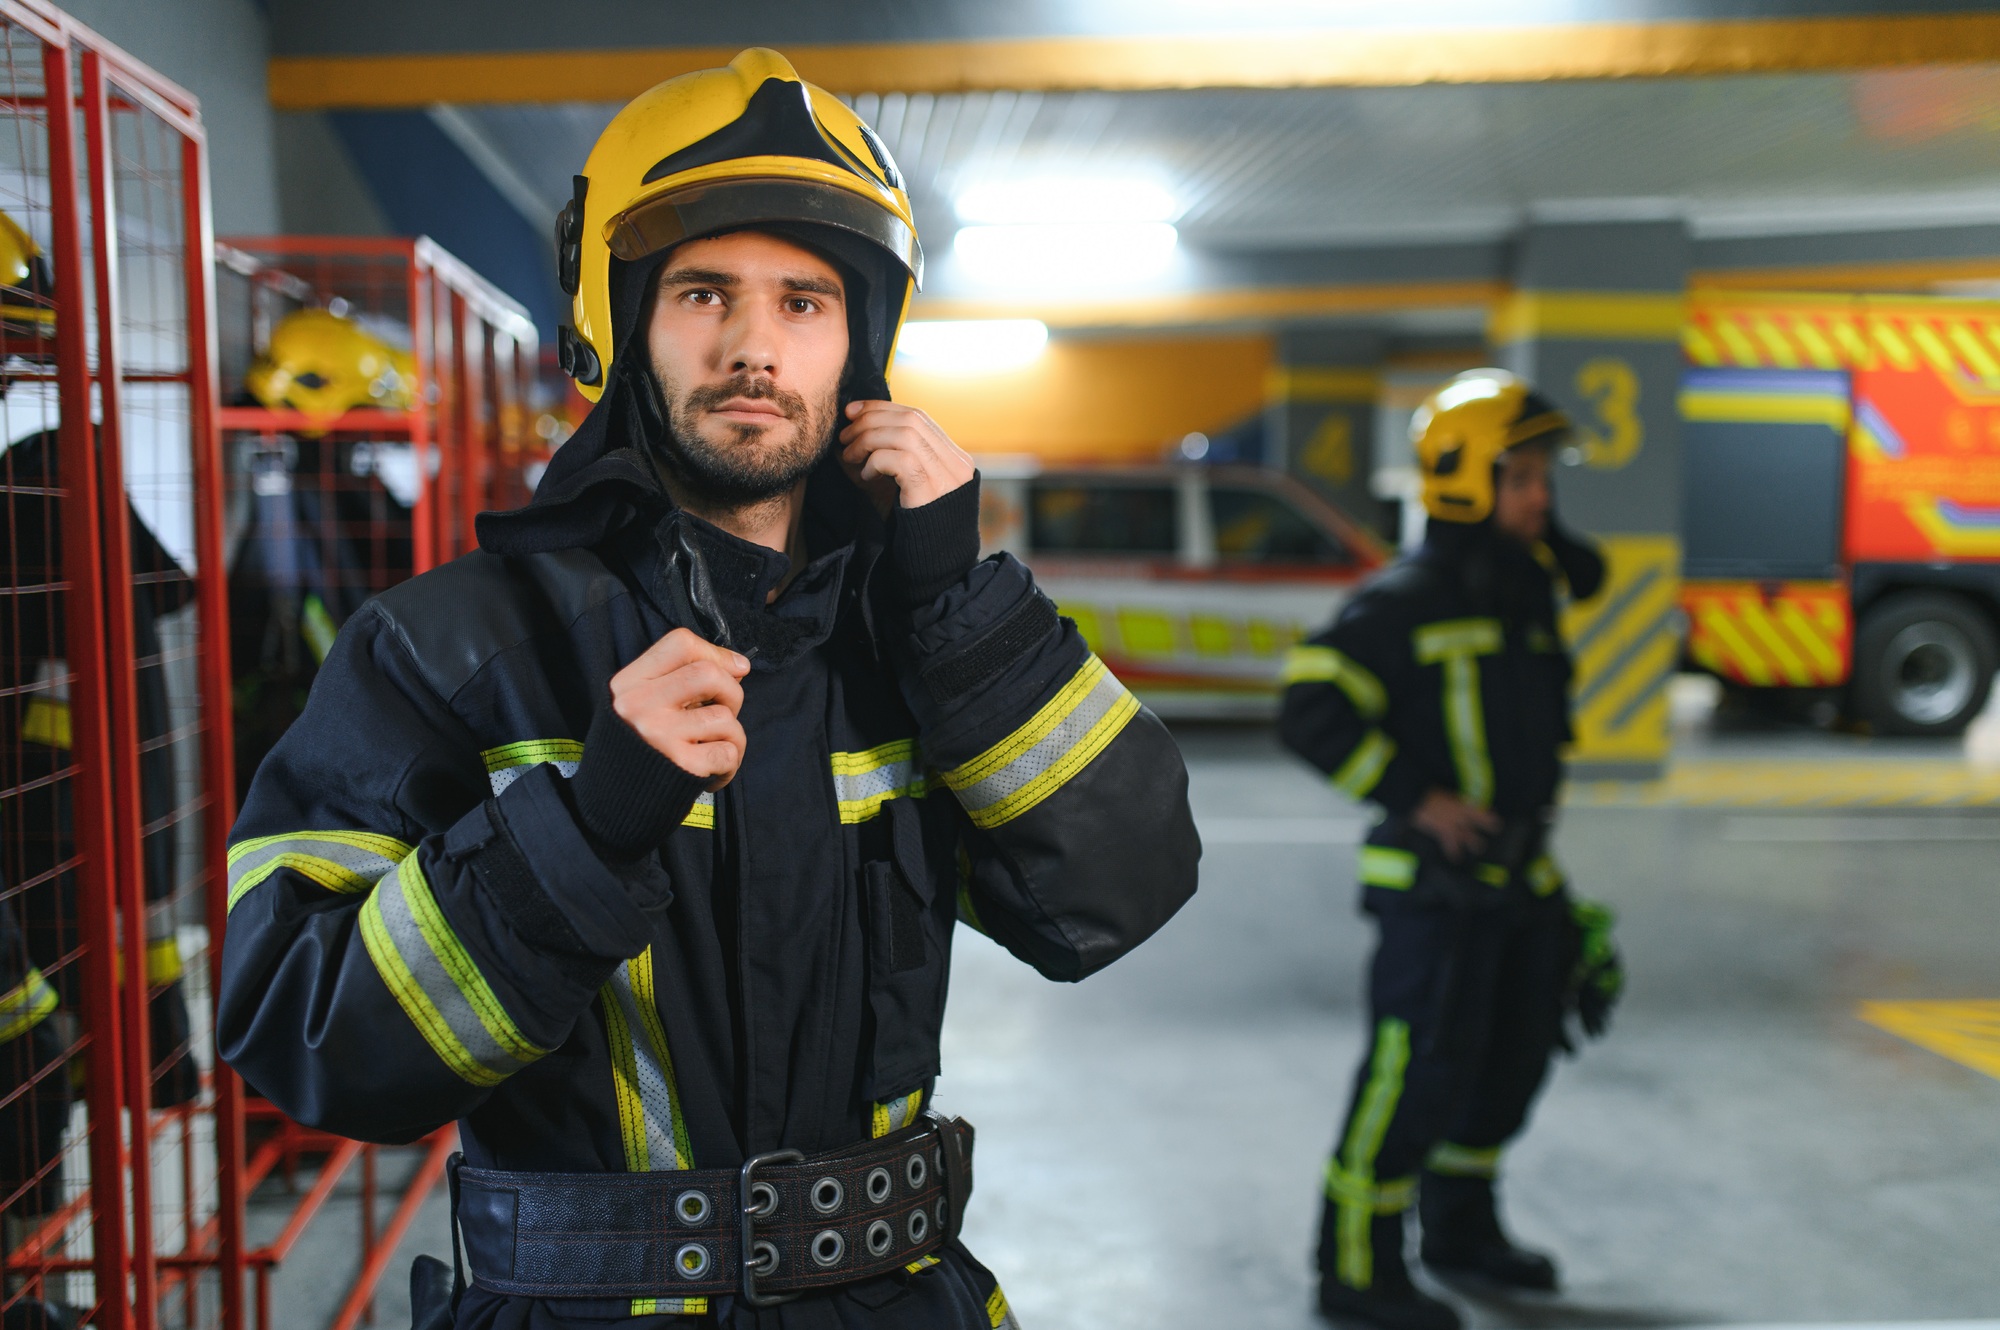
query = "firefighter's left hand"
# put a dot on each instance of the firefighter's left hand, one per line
(899, 456)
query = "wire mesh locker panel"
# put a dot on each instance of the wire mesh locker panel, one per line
(119, 1202)
(376, 398)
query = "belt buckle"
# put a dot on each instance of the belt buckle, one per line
(747, 1216)
(954, 1169)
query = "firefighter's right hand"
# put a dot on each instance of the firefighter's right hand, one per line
(1459, 827)
(682, 696)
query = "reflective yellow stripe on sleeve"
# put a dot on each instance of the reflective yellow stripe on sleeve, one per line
(507, 763)
(25, 1005)
(349, 862)
(436, 982)
(1309, 664)
(1362, 771)
(864, 781)
(1037, 759)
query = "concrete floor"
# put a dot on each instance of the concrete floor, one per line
(1742, 1149)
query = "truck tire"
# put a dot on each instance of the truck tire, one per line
(1923, 663)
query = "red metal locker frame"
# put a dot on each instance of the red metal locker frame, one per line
(458, 389)
(102, 704)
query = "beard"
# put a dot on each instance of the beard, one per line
(742, 468)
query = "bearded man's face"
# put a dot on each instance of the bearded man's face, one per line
(748, 338)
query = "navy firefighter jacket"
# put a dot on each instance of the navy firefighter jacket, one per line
(1448, 672)
(421, 930)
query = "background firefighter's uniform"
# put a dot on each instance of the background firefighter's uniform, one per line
(1446, 672)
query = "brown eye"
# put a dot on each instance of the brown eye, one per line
(800, 305)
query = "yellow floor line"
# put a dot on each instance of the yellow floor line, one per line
(1966, 1032)
(1839, 783)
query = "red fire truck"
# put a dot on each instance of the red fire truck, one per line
(1841, 501)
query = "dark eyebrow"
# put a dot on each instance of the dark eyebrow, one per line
(819, 286)
(698, 277)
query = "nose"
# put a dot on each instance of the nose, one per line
(751, 342)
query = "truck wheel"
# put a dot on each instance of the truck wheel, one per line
(1923, 664)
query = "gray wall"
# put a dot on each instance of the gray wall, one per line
(216, 49)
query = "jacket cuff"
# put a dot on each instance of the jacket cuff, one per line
(935, 546)
(628, 795)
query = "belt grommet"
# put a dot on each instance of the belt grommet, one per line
(691, 1208)
(878, 1185)
(763, 1200)
(880, 1238)
(827, 1248)
(919, 1225)
(763, 1258)
(915, 1170)
(692, 1261)
(828, 1195)
(942, 1207)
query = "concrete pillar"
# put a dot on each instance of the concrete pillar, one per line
(1594, 321)
(1320, 418)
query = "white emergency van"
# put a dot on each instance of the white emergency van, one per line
(1189, 581)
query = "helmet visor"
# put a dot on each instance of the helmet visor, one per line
(706, 209)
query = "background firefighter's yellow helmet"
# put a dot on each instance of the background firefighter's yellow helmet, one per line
(26, 286)
(325, 364)
(722, 150)
(1462, 429)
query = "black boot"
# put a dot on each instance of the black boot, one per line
(1463, 1237)
(1375, 1291)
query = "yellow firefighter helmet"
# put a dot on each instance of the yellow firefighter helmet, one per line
(747, 145)
(26, 288)
(1462, 429)
(325, 364)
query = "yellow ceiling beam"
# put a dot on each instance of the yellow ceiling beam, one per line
(1343, 57)
(1208, 308)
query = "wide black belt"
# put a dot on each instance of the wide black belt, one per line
(777, 1227)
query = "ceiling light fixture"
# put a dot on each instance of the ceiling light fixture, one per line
(972, 346)
(1061, 231)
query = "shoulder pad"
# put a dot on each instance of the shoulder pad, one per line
(454, 619)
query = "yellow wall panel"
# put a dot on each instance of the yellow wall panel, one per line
(1110, 400)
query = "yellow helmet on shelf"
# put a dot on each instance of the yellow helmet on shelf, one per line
(748, 145)
(325, 364)
(1462, 429)
(26, 288)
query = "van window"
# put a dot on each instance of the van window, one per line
(1254, 526)
(1070, 518)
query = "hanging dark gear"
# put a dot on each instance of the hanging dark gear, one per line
(37, 826)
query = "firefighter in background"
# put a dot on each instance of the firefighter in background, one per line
(636, 840)
(1441, 694)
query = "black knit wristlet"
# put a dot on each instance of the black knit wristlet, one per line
(627, 793)
(935, 546)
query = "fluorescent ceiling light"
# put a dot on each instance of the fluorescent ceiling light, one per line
(1076, 253)
(972, 346)
(1054, 200)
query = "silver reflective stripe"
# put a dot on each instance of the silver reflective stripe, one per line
(345, 861)
(1035, 761)
(505, 764)
(436, 982)
(863, 782)
(642, 1071)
